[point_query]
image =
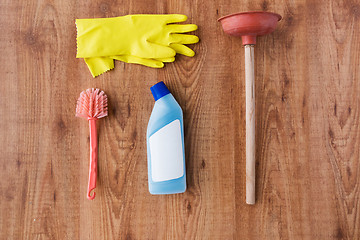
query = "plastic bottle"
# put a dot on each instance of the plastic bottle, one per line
(165, 144)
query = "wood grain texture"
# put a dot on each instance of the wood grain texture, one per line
(307, 126)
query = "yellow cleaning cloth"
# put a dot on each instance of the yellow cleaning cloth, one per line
(149, 40)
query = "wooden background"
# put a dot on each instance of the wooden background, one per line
(307, 120)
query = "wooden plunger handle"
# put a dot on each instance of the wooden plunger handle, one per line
(250, 123)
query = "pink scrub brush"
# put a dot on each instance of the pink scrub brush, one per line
(92, 105)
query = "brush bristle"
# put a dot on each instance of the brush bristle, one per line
(92, 103)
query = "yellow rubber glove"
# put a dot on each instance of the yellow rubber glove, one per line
(144, 39)
(99, 65)
(144, 36)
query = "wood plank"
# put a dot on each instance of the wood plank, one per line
(307, 127)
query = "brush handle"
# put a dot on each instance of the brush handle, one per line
(93, 159)
(250, 123)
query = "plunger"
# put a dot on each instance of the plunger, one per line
(249, 25)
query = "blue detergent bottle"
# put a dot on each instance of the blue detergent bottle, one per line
(165, 144)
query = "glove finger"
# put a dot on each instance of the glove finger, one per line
(173, 18)
(183, 38)
(181, 28)
(149, 62)
(182, 49)
(154, 50)
(166, 59)
(99, 65)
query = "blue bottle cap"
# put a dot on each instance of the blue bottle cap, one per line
(159, 90)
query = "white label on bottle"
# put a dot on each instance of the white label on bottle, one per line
(166, 153)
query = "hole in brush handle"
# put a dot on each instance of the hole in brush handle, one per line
(91, 194)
